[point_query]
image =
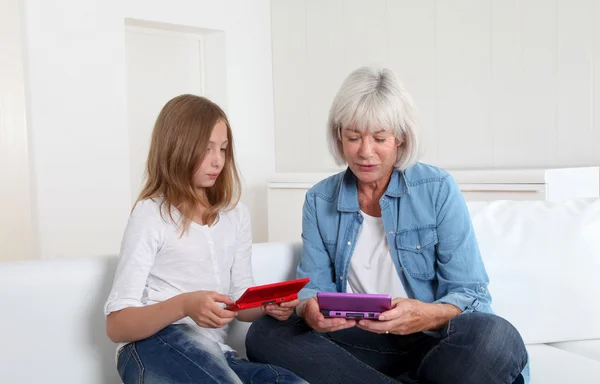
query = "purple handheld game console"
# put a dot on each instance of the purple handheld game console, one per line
(353, 305)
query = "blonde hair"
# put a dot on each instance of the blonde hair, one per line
(374, 99)
(178, 147)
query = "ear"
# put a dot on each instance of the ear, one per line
(399, 141)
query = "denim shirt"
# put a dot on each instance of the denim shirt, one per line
(428, 229)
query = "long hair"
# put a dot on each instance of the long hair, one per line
(179, 142)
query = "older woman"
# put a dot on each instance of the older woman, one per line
(389, 224)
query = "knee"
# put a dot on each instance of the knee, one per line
(490, 335)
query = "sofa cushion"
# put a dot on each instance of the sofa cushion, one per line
(587, 348)
(543, 260)
(551, 365)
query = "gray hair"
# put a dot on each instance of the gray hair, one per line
(374, 99)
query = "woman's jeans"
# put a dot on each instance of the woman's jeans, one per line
(476, 348)
(177, 355)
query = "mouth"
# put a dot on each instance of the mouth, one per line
(366, 167)
(213, 175)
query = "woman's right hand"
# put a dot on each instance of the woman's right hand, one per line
(314, 318)
(202, 307)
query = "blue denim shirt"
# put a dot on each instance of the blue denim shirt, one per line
(428, 229)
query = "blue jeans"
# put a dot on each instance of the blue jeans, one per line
(476, 348)
(177, 355)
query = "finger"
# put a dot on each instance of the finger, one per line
(222, 312)
(278, 311)
(220, 298)
(398, 300)
(376, 326)
(219, 321)
(290, 304)
(317, 317)
(205, 323)
(332, 322)
(394, 313)
(348, 324)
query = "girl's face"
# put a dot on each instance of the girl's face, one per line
(213, 162)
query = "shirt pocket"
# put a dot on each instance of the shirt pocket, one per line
(416, 248)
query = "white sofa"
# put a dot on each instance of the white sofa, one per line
(543, 260)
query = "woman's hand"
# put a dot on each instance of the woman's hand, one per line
(314, 318)
(202, 307)
(281, 311)
(409, 316)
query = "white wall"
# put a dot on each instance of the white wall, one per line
(76, 82)
(16, 229)
(500, 83)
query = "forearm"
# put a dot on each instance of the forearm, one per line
(137, 323)
(250, 315)
(440, 315)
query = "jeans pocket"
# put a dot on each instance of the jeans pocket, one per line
(129, 365)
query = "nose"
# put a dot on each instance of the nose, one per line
(217, 159)
(366, 147)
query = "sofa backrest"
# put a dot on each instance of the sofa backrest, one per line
(543, 260)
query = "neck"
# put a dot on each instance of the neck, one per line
(370, 193)
(376, 188)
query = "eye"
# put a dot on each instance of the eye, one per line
(223, 149)
(380, 140)
(353, 139)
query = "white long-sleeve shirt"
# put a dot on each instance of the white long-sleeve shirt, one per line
(156, 263)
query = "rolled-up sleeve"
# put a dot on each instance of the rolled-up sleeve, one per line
(141, 242)
(462, 278)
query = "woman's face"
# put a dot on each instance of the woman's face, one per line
(370, 156)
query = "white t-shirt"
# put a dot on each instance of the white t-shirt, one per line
(372, 269)
(156, 263)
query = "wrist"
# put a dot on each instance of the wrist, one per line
(440, 315)
(180, 303)
(299, 310)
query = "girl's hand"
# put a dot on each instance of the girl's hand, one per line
(281, 311)
(202, 307)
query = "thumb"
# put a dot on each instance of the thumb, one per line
(220, 298)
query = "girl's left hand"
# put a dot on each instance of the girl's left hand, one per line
(281, 311)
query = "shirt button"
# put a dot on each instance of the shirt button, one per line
(483, 288)
(341, 277)
(391, 232)
(418, 246)
(349, 243)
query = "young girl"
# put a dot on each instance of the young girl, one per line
(185, 255)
